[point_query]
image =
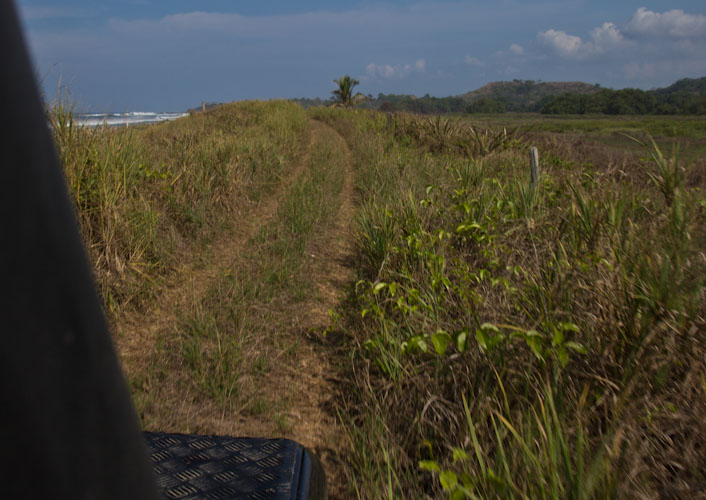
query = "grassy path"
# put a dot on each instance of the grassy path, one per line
(235, 345)
(139, 334)
(317, 377)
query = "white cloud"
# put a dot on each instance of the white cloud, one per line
(387, 71)
(603, 39)
(646, 27)
(473, 61)
(606, 37)
(516, 49)
(650, 48)
(673, 24)
(562, 43)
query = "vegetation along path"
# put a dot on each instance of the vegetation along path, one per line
(504, 339)
(236, 343)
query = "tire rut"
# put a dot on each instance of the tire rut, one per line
(315, 376)
(138, 334)
(302, 389)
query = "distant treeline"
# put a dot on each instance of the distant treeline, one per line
(606, 101)
(426, 105)
(626, 102)
(685, 97)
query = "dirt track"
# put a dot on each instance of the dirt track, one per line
(296, 396)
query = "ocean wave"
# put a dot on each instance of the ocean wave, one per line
(127, 118)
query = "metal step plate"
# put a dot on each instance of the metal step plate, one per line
(190, 467)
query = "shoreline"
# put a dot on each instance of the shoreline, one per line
(126, 118)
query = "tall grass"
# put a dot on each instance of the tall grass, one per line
(143, 195)
(521, 343)
(440, 135)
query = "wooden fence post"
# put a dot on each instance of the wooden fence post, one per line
(203, 106)
(534, 167)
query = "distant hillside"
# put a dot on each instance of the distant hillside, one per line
(686, 85)
(496, 97)
(684, 97)
(525, 95)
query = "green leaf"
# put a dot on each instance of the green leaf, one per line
(458, 495)
(462, 340)
(534, 340)
(489, 326)
(459, 454)
(485, 339)
(440, 339)
(370, 344)
(563, 356)
(467, 227)
(495, 340)
(575, 346)
(378, 287)
(482, 339)
(448, 480)
(429, 465)
(569, 327)
(417, 342)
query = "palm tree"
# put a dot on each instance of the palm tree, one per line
(344, 92)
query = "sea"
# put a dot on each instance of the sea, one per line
(125, 119)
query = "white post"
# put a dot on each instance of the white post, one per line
(534, 167)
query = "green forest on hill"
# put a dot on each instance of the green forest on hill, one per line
(685, 97)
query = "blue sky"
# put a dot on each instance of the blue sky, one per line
(171, 55)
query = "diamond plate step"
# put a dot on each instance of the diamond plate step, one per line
(190, 467)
